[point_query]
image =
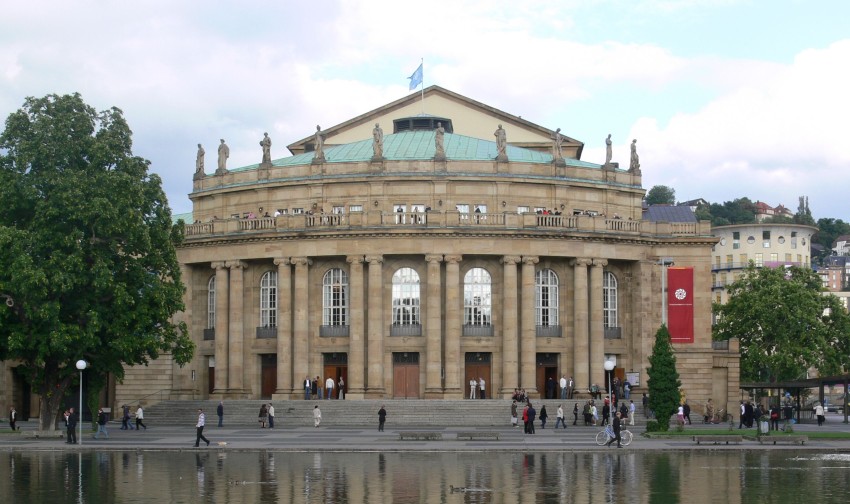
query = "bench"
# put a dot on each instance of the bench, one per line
(420, 436)
(472, 436)
(783, 439)
(718, 438)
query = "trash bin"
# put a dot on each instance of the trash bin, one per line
(764, 427)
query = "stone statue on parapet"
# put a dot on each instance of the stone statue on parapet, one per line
(439, 147)
(608, 152)
(266, 144)
(557, 148)
(501, 144)
(199, 163)
(377, 142)
(223, 154)
(319, 146)
(634, 160)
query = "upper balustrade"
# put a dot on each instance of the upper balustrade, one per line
(364, 221)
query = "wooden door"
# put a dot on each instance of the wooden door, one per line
(336, 371)
(406, 375)
(478, 370)
(210, 380)
(268, 379)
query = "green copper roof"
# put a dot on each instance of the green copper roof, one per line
(413, 145)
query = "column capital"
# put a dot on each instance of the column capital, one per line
(282, 261)
(301, 261)
(374, 259)
(511, 259)
(235, 264)
(217, 265)
(530, 260)
(454, 259)
(354, 259)
(434, 258)
(600, 262)
(581, 261)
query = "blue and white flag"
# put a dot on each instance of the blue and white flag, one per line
(416, 78)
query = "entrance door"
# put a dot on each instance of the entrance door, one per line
(477, 365)
(211, 375)
(405, 375)
(268, 375)
(547, 367)
(336, 367)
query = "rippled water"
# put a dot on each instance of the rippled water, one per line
(605, 476)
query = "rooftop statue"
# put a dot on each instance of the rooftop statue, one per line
(634, 162)
(378, 142)
(319, 144)
(266, 144)
(608, 153)
(223, 154)
(438, 141)
(501, 144)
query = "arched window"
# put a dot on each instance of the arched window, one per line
(406, 297)
(268, 299)
(477, 302)
(609, 300)
(211, 303)
(335, 298)
(546, 298)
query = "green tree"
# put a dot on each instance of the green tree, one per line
(737, 211)
(87, 247)
(663, 381)
(828, 230)
(661, 195)
(785, 324)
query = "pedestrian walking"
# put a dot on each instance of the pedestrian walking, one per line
(199, 427)
(631, 412)
(543, 417)
(102, 418)
(317, 416)
(616, 427)
(125, 418)
(559, 417)
(532, 414)
(575, 413)
(686, 410)
(13, 417)
(382, 417)
(140, 418)
(219, 410)
(329, 387)
(819, 414)
(271, 416)
(263, 416)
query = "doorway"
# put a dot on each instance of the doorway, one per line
(210, 375)
(336, 367)
(405, 375)
(268, 375)
(478, 365)
(547, 375)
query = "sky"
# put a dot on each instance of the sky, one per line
(727, 98)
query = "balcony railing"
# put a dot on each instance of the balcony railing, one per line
(477, 330)
(720, 345)
(266, 332)
(613, 333)
(406, 330)
(209, 334)
(548, 331)
(333, 331)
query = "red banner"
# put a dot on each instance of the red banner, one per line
(680, 304)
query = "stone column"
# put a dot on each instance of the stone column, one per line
(285, 380)
(528, 338)
(222, 326)
(433, 329)
(453, 388)
(356, 386)
(581, 351)
(301, 322)
(510, 324)
(235, 347)
(597, 331)
(375, 356)
(183, 387)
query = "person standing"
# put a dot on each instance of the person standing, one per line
(532, 415)
(71, 422)
(219, 410)
(680, 415)
(140, 418)
(686, 410)
(631, 412)
(543, 417)
(514, 414)
(818, 413)
(473, 386)
(571, 385)
(317, 416)
(102, 418)
(575, 413)
(741, 419)
(199, 427)
(616, 426)
(606, 412)
(481, 388)
(329, 387)
(271, 416)
(317, 387)
(13, 417)
(308, 387)
(525, 417)
(382, 417)
(645, 402)
(563, 384)
(340, 388)
(263, 416)
(550, 388)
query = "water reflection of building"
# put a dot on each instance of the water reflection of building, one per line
(406, 276)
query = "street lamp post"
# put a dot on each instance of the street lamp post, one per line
(81, 365)
(609, 366)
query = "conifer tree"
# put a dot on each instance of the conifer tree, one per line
(663, 378)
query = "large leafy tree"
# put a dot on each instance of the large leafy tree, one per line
(87, 247)
(785, 324)
(663, 381)
(661, 195)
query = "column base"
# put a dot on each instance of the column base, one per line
(434, 394)
(453, 393)
(186, 395)
(375, 393)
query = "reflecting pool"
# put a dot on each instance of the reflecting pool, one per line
(779, 476)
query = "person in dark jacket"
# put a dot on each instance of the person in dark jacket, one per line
(102, 418)
(543, 417)
(220, 412)
(72, 426)
(532, 414)
(382, 417)
(616, 426)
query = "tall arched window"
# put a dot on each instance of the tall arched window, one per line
(211, 303)
(335, 298)
(406, 297)
(546, 298)
(268, 299)
(609, 300)
(477, 297)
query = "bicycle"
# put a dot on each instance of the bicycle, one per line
(607, 434)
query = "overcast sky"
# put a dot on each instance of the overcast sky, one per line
(727, 98)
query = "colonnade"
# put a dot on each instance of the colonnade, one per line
(442, 326)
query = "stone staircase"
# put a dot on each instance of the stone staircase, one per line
(406, 412)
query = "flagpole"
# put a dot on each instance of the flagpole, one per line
(422, 64)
